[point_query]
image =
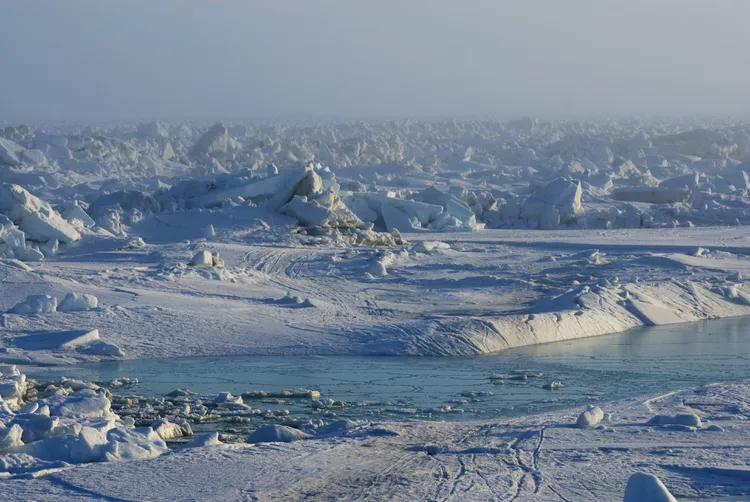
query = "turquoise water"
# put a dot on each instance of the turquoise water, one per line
(642, 361)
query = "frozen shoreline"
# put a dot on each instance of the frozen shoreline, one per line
(539, 458)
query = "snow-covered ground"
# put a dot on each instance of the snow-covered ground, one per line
(477, 292)
(391, 238)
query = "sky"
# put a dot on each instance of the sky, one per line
(150, 59)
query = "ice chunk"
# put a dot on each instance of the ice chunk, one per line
(154, 130)
(312, 214)
(102, 348)
(78, 302)
(11, 389)
(430, 247)
(10, 152)
(553, 386)
(57, 339)
(277, 190)
(562, 195)
(227, 398)
(207, 439)
(395, 219)
(644, 487)
(202, 259)
(166, 429)
(689, 181)
(590, 417)
(393, 213)
(129, 201)
(9, 370)
(133, 444)
(86, 403)
(76, 212)
(452, 206)
(215, 140)
(277, 434)
(687, 419)
(110, 220)
(651, 195)
(34, 216)
(33, 157)
(35, 304)
(10, 438)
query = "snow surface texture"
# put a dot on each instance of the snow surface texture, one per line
(536, 458)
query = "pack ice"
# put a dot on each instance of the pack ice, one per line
(445, 237)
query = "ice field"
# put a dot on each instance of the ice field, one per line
(147, 267)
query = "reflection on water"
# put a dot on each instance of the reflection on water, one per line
(641, 361)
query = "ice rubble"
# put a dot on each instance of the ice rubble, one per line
(65, 423)
(552, 175)
(29, 228)
(40, 304)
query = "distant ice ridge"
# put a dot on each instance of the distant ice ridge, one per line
(526, 173)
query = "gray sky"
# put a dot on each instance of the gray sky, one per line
(78, 59)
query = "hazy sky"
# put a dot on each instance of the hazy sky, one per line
(78, 59)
